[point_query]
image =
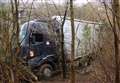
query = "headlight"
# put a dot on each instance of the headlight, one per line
(31, 54)
(47, 43)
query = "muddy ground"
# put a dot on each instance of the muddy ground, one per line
(84, 76)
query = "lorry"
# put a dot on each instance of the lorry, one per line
(39, 46)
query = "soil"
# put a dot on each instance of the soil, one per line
(81, 77)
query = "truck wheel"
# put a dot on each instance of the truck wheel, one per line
(46, 71)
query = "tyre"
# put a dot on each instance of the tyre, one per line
(45, 71)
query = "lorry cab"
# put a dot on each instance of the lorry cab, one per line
(38, 41)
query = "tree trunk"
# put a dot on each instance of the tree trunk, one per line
(15, 12)
(16, 18)
(62, 45)
(116, 26)
(72, 43)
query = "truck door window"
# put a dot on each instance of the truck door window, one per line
(38, 37)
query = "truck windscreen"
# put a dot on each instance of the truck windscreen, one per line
(22, 33)
(36, 27)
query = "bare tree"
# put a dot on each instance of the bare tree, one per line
(72, 42)
(62, 44)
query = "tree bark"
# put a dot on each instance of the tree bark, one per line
(62, 45)
(72, 43)
(116, 26)
(17, 20)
